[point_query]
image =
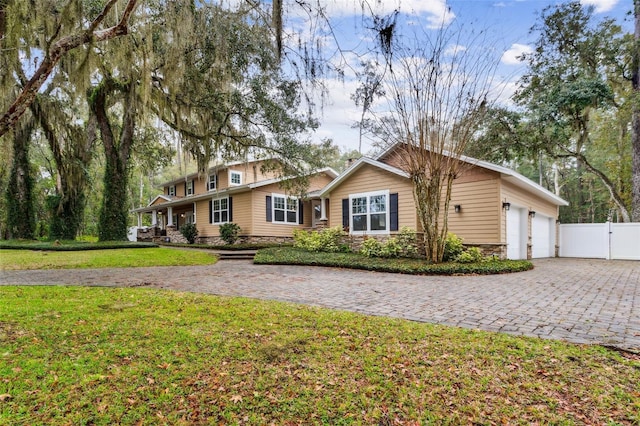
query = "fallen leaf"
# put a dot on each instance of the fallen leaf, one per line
(236, 398)
(5, 397)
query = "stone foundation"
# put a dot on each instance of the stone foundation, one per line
(246, 239)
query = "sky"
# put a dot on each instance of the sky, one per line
(507, 23)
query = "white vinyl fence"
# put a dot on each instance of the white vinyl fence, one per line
(600, 240)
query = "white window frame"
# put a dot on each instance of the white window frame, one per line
(172, 190)
(236, 173)
(219, 210)
(190, 188)
(368, 213)
(213, 181)
(286, 208)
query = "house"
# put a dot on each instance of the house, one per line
(240, 192)
(492, 207)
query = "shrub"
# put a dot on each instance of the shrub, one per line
(452, 247)
(326, 240)
(371, 247)
(189, 231)
(407, 241)
(229, 232)
(392, 248)
(472, 255)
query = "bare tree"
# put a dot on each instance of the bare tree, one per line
(439, 87)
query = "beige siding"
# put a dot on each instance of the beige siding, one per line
(241, 215)
(479, 219)
(369, 179)
(521, 198)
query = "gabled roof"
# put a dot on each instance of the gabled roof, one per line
(211, 169)
(507, 174)
(359, 163)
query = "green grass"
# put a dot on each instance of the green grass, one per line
(139, 257)
(296, 256)
(74, 355)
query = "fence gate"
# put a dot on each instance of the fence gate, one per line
(600, 240)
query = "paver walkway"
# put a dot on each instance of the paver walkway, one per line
(578, 300)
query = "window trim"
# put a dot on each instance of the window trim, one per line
(190, 188)
(213, 200)
(286, 209)
(215, 182)
(171, 191)
(234, 172)
(387, 213)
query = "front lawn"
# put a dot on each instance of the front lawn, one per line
(296, 256)
(74, 355)
(96, 258)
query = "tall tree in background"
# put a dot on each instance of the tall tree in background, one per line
(439, 91)
(573, 72)
(635, 127)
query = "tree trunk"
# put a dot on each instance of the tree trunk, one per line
(114, 215)
(21, 218)
(67, 206)
(635, 119)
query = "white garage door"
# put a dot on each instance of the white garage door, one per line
(542, 237)
(516, 234)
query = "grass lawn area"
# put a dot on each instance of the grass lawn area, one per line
(75, 355)
(113, 258)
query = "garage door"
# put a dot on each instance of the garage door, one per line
(542, 241)
(516, 234)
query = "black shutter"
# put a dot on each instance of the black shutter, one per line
(230, 205)
(393, 211)
(300, 212)
(210, 211)
(185, 189)
(269, 218)
(345, 212)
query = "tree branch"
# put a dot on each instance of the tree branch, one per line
(56, 52)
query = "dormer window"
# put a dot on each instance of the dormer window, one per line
(190, 187)
(213, 182)
(235, 178)
(172, 190)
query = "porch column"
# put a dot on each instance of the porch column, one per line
(154, 218)
(323, 209)
(139, 220)
(169, 216)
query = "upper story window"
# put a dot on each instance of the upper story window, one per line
(213, 182)
(369, 212)
(285, 209)
(172, 190)
(235, 178)
(189, 187)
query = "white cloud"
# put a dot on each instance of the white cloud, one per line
(600, 5)
(510, 57)
(437, 11)
(454, 49)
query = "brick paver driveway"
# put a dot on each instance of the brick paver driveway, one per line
(579, 300)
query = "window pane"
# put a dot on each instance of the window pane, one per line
(360, 223)
(292, 217)
(378, 222)
(223, 203)
(292, 204)
(279, 215)
(225, 216)
(378, 203)
(359, 205)
(216, 204)
(278, 203)
(216, 217)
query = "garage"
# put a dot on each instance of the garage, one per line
(516, 233)
(542, 236)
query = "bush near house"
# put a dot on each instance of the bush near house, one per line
(190, 232)
(229, 232)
